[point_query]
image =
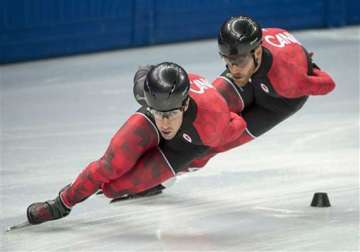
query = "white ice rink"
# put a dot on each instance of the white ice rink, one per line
(58, 115)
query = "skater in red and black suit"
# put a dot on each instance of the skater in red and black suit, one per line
(269, 76)
(181, 119)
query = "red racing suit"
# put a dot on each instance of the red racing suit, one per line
(138, 158)
(279, 88)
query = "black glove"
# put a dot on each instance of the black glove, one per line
(45, 211)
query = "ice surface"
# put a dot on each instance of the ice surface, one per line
(58, 115)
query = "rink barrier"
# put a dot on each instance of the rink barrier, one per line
(39, 29)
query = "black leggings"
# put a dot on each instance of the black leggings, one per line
(266, 112)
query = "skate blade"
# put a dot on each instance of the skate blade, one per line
(134, 197)
(18, 226)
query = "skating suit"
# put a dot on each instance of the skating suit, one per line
(279, 88)
(138, 158)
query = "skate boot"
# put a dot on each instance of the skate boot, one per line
(40, 212)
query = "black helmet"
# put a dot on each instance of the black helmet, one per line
(166, 87)
(239, 36)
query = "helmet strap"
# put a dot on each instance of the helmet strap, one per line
(185, 104)
(256, 61)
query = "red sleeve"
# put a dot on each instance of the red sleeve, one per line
(234, 129)
(233, 136)
(231, 95)
(214, 122)
(129, 143)
(289, 70)
(319, 83)
(291, 81)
